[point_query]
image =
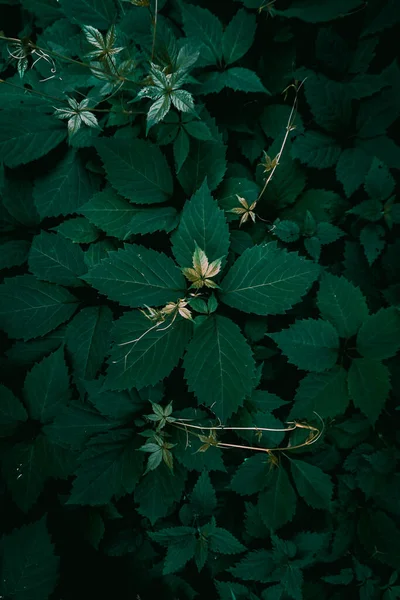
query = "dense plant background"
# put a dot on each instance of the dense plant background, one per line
(136, 140)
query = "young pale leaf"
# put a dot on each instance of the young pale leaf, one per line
(324, 393)
(149, 359)
(30, 567)
(342, 303)
(137, 169)
(311, 345)
(56, 259)
(202, 223)
(313, 485)
(64, 189)
(30, 308)
(110, 466)
(238, 36)
(46, 387)
(277, 503)
(137, 276)
(379, 335)
(219, 366)
(267, 280)
(87, 340)
(369, 386)
(25, 137)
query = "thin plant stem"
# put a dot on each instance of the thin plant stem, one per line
(223, 428)
(154, 30)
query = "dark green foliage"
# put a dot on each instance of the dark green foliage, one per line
(199, 300)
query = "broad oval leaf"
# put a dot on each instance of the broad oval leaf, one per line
(313, 485)
(379, 336)
(137, 169)
(151, 358)
(54, 258)
(267, 280)
(30, 308)
(219, 366)
(369, 386)
(135, 276)
(203, 223)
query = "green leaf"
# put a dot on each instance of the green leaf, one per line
(329, 101)
(30, 567)
(267, 280)
(205, 32)
(351, 169)
(342, 303)
(370, 210)
(30, 308)
(179, 554)
(310, 344)
(65, 188)
(316, 150)
(379, 183)
(243, 80)
(99, 13)
(313, 11)
(277, 504)
(158, 490)
(287, 231)
(313, 485)
(379, 335)
(12, 412)
(255, 566)
(203, 499)
(13, 253)
(25, 137)
(202, 223)
(56, 259)
(369, 386)
(238, 36)
(79, 230)
(137, 276)
(151, 358)
(136, 169)
(223, 542)
(323, 393)
(219, 366)
(88, 339)
(46, 387)
(25, 469)
(111, 213)
(251, 476)
(110, 466)
(328, 233)
(17, 199)
(181, 149)
(205, 159)
(372, 238)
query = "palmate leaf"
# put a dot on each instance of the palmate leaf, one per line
(64, 189)
(25, 137)
(147, 361)
(30, 566)
(203, 223)
(46, 387)
(110, 466)
(56, 259)
(267, 280)
(137, 169)
(30, 308)
(137, 276)
(219, 366)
